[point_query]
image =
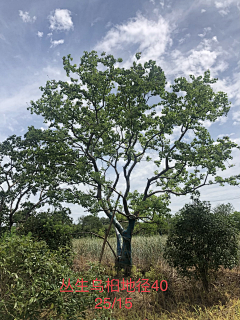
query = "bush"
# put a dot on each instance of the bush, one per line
(201, 241)
(53, 228)
(30, 280)
(236, 218)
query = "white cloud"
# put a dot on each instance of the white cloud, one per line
(223, 12)
(56, 43)
(236, 117)
(17, 102)
(222, 119)
(206, 44)
(207, 55)
(203, 10)
(205, 32)
(95, 21)
(25, 16)
(40, 34)
(109, 24)
(206, 123)
(224, 5)
(52, 71)
(175, 134)
(183, 39)
(61, 20)
(195, 63)
(152, 37)
(231, 87)
(226, 134)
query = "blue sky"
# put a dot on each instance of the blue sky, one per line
(184, 37)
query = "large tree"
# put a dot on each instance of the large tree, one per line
(103, 114)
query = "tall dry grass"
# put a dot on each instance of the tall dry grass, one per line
(146, 251)
(184, 299)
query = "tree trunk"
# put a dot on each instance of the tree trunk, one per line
(124, 250)
(124, 237)
(10, 221)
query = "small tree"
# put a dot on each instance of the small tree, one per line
(201, 241)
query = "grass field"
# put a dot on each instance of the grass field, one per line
(145, 250)
(183, 299)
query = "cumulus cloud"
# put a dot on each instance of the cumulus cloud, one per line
(40, 34)
(25, 16)
(151, 37)
(203, 10)
(207, 55)
(55, 43)
(194, 62)
(61, 20)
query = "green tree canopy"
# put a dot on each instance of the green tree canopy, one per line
(24, 172)
(223, 208)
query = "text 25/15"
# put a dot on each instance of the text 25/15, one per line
(127, 302)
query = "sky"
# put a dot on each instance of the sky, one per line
(183, 36)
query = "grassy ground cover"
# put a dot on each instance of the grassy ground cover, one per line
(183, 299)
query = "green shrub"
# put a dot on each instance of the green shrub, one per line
(236, 218)
(201, 241)
(50, 227)
(30, 279)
